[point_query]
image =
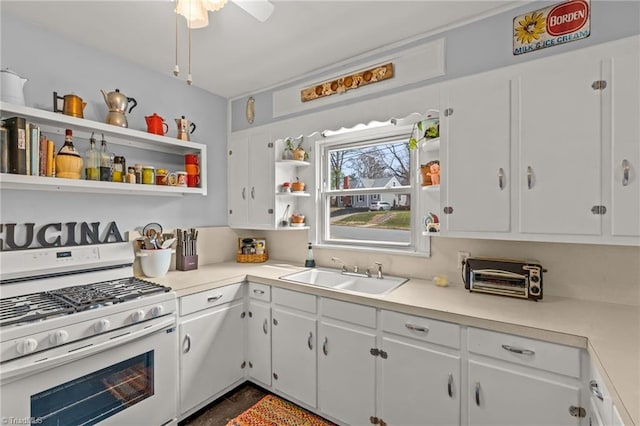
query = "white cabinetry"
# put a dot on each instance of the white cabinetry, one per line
(475, 151)
(346, 367)
(518, 381)
(250, 175)
(420, 380)
(294, 345)
(212, 345)
(144, 148)
(259, 333)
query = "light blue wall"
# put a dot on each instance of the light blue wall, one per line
(54, 63)
(480, 46)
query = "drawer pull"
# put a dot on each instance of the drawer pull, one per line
(478, 394)
(309, 343)
(214, 298)
(187, 341)
(450, 386)
(518, 350)
(325, 349)
(416, 328)
(256, 291)
(594, 390)
(264, 326)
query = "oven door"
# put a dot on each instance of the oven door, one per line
(128, 379)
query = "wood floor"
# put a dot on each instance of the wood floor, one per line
(225, 408)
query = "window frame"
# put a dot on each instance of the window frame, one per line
(351, 138)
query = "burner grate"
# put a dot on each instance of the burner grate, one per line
(31, 307)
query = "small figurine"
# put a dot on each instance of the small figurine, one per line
(434, 172)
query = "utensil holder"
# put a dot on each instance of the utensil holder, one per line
(186, 263)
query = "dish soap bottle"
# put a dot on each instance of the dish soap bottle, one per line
(310, 262)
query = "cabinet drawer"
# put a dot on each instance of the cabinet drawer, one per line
(207, 299)
(428, 330)
(350, 312)
(521, 350)
(260, 292)
(294, 299)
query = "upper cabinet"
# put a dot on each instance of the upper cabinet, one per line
(546, 150)
(141, 147)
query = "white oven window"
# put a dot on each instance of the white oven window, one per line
(96, 396)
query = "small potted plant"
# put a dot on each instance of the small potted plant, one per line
(297, 186)
(287, 153)
(299, 152)
(424, 130)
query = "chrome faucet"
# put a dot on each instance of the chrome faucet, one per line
(379, 276)
(344, 265)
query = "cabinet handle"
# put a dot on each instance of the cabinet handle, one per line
(309, 343)
(500, 178)
(264, 326)
(416, 328)
(518, 350)
(187, 341)
(325, 349)
(213, 298)
(594, 390)
(625, 172)
(253, 192)
(478, 394)
(529, 177)
(450, 386)
(244, 193)
(256, 291)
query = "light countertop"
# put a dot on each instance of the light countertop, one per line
(610, 332)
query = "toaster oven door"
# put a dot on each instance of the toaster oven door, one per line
(497, 281)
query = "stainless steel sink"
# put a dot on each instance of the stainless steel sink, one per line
(334, 278)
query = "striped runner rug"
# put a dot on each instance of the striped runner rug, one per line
(272, 410)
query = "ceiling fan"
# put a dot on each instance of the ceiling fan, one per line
(196, 11)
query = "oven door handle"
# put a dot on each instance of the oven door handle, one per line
(22, 367)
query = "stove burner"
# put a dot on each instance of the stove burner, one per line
(67, 300)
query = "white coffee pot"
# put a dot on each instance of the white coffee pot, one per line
(12, 87)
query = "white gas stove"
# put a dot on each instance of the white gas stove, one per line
(79, 311)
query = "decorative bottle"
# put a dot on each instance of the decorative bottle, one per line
(105, 162)
(310, 262)
(92, 171)
(68, 161)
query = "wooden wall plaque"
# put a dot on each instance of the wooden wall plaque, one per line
(347, 82)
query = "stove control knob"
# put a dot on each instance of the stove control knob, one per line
(156, 311)
(27, 346)
(102, 325)
(58, 337)
(137, 316)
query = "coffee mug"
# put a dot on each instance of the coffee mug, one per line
(191, 159)
(193, 180)
(192, 169)
(178, 179)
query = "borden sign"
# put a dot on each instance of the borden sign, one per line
(559, 24)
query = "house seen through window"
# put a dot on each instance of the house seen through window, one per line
(367, 188)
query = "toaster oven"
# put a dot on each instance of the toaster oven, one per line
(515, 278)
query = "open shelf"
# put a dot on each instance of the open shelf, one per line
(293, 194)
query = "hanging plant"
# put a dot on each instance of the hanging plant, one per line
(424, 130)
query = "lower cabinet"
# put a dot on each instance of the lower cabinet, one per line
(212, 346)
(293, 340)
(259, 342)
(346, 366)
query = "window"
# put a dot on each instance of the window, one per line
(368, 184)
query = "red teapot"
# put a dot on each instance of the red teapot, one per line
(156, 124)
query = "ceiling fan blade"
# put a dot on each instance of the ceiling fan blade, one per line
(259, 9)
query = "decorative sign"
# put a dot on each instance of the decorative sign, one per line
(551, 26)
(347, 82)
(50, 235)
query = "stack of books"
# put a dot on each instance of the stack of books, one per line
(24, 150)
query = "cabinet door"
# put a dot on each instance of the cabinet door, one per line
(346, 373)
(501, 396)
(475, 149)
(211, 354)
(294, 355)
(625, 159)
(238, 182)
(259, 342)
(419, 385)
(560, 146)
(260, 192)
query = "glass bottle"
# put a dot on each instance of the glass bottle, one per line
(68, 161)
(92, 171)
(310, 262)
(105, 162)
